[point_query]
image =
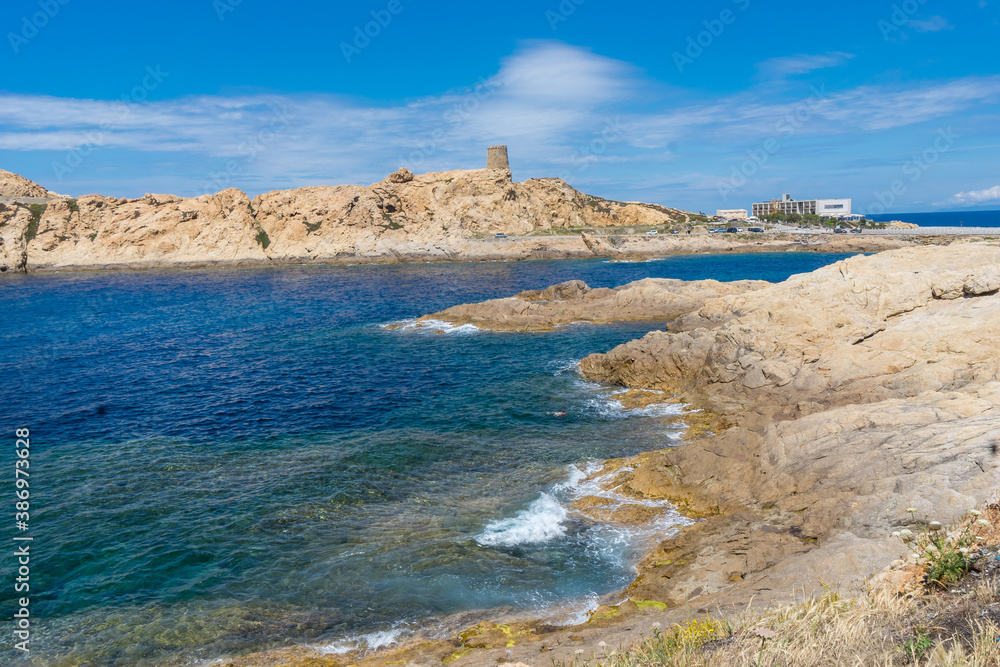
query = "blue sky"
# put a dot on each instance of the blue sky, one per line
(697, 105)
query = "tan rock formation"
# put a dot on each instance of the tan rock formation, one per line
(405, 217)
(15, 185)
(574, 301)
(429, 217)
(856, 391)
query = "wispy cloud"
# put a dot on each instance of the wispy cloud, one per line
(778, 68)
(977, 197)
(549, 101)
(933, 24)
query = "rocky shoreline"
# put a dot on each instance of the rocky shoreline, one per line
(827, 407)
(438, 217)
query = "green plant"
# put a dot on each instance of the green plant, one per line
(947, 556)
(72, 205)
(915, 647)
(262, 239)
(312, 226)
(36, 216)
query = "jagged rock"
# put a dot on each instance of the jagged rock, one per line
(574, 301)
(404, 175)
(15, 185)
(853, 393)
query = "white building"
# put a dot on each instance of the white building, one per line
(829, 208)
(732, 214)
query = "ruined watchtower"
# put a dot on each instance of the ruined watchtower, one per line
(496, 158)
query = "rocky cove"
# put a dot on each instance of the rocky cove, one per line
(435, 217)
(824, 411)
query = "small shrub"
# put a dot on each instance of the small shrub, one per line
(948, 558)
(73, 205)
(262, 239)
(917, 646)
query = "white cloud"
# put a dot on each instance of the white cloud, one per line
(558, 107)
(976, 197)
(933, 24)
(801, 64)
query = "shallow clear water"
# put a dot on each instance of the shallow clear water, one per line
(228, 460)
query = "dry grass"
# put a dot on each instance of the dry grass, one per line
(957, 628)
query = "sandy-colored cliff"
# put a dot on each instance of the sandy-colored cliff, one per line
(449, 216)
(430, 216)
(15, 185)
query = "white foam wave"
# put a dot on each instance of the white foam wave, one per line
(369, 642)
(431, 326)
(543, 520)
(606, 404)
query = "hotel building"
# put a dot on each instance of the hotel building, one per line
(829, 208)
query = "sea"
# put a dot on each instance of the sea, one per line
(945, 218)
(227, 461)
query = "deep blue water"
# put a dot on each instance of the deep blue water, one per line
(228, 460)
(945, 218)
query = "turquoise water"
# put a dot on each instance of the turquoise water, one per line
(226, 461)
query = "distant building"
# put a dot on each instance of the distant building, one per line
(732, 214)
(828, 208)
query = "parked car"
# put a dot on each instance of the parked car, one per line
(652, 232)
(856, 230)
(499, 235)
(839, 230)
(733, 230)
(757, 230)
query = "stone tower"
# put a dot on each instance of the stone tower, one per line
(496, 158)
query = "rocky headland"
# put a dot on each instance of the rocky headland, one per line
(575, 302)
(447, 216)
(827, 407)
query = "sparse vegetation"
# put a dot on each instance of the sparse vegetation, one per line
(312, 226)
(948, 556)
(37, 210)
(927, 623)
(73, 207)
(262, 239)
